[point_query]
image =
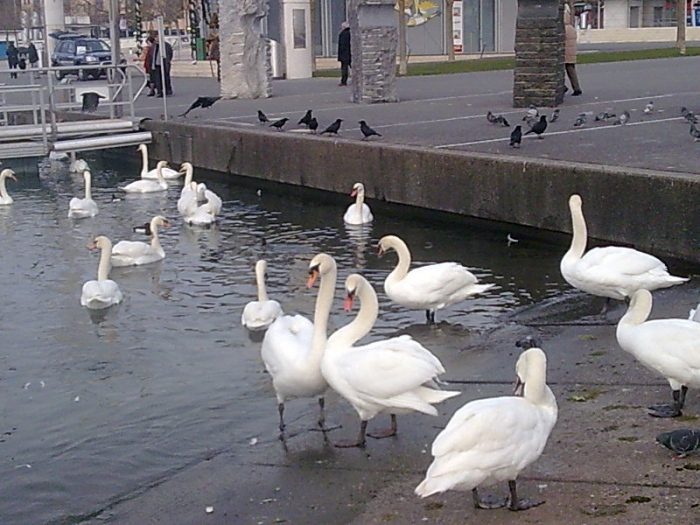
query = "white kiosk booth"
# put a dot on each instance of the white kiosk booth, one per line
(298, 36)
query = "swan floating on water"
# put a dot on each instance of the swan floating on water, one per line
(395, 375)
(494, 439)
(103, 292)
(359, 212)
(137, 253)
(204, 214)
(77, 165)
(258, 315)
(147, 185)
(168, 173)
(431, 287)
(5, 198)
(83, 208)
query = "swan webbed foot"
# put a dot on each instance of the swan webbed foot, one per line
(387, 432)
(322, 418)
(360, 442)
(488, 502)
(516, 504)
(430, 316)
(672, 410)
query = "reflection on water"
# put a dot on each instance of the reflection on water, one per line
(97, 404)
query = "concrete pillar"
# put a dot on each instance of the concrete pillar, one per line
(297, 34)
(245, 52)
(54, 20)
(374, 38)
(539, 54)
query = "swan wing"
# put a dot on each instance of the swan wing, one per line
(168, 174)
(82, 208)
(143, 186)
(187, 203)
(202, 216)
(213, 203)
(258, 315)
(627, 261)
(358, 215)
(100, 294)
(287, 340)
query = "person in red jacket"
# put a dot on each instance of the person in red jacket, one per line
(147, 60)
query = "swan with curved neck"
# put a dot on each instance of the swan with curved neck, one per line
(614, 272)
(293, 347)
(204, 214)
(136, 253)
(359, 212)
(396, 375)
(83, 208)
(5, 198)
(258, 315)
(431, 287)
(103, 292)
(77, 165)
(147, 185)
(492, 440)
(168, 173)
(669, 347)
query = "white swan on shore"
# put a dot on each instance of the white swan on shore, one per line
(396, 375)
(83, 208)
(137, 253)
(359, 212)
(669, 347)
(431, 287)
(168, 173)
(5, 198)
(492, 440)
(258, 315)
(293, 347)
(147, 185)
(614, 272)
(103, 292)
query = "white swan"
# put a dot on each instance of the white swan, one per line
(83, 208)
(146, 185)
(694, 314)
(258, 315)
(669, 347)
(614, 272)
(5, 198)
(188, 200)
(204, 214)
(396, 375)
(292, 348)
(492, 440)
(103, 292)
(136, 253)
(430, 288)
(168, 173)
(359, 212)
(77, 165)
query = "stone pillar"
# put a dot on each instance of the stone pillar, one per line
(539, 54)
(373, 43)
(246, 71)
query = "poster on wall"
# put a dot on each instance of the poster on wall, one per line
(457, 41)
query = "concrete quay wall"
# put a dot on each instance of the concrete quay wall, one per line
(650, 210)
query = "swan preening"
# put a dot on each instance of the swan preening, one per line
(396, 375)
(669, 347)
(359, 212)
(77, 165)
(168, 173)
(5, 198)
(431, 287)
(103, 292)
(492, 440)
(258, 315)
(614, 272)
(147, 185)
(293, 347)
(83, 208)
(136, 253)
(191, 195)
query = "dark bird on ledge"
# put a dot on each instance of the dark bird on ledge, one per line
(367, 131)
(262, 117)
(313, 124)
(90, 101)
(306, 118)
(539, 127)
(516, 137)
(201, 102)
(682, 441)
(279, 123)
(333, 128)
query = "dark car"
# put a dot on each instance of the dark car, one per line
(80, 50)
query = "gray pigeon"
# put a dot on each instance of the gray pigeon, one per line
(603, 116)
(682, 441)
(539, 127)
(623, 118)
(689, 115)
(649, 107)
(554, 116)
(532, 113)
(580, 120)
(694, 132)
(491, 117)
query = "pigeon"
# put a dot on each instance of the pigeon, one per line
(306, 118)
(623, 118)
(90, 101)
(554, 116)
(649, 107)
(201, 102)
(694, 132)
(500, 119)
(532, 113)
(279, 123)
(689, 115)
(367, 131)
(491, 117)
(516, 137)
(312, 124)
(603, 116)
(539, 127)
(580, 120)
(262, 118)
(682, 441)
(333, 128)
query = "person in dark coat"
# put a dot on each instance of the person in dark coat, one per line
(12, 58)
(155, 66)
(344, 54)
(32, 54)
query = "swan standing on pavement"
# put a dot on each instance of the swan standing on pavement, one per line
(358, 213)
(492, 440)
(258, 315)
(669, 347)
(103, 292)
(293, 347)
(136, 253)
(83, 208)
(149, 186)
(430, 288)
(396, 375)
(5, 198)
(168, 173)
(614, 272)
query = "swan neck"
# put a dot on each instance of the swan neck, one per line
(323, 310)
(580, 233)
(638, 310)
(105, 265)
(155, 240)
(144, 161)
(188, 176)
(404, 261)
(3, 189)
(360, 199)
(536, 390)
(359, 327)
(159, 174)
(260, 279)
(88, 185)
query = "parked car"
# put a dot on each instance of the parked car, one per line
(80, 50)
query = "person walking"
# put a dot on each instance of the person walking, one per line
(158, 75)
(32, 54)
(344, 53)
(570, 50)
(12, 58)
(147, 61)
